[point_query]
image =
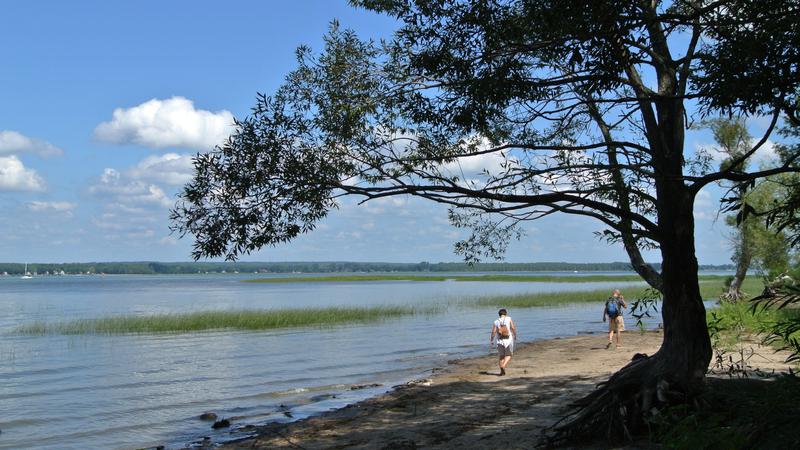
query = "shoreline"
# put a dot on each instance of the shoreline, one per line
(465, 403)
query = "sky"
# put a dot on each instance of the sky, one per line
(103, 104)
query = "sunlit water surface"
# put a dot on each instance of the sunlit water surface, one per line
(131, 391)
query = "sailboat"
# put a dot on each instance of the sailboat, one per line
(26, 275)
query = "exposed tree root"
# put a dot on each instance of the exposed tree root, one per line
(619, 408)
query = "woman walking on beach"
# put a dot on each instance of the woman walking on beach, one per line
(506, 332)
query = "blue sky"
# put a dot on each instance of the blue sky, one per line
(102, 104)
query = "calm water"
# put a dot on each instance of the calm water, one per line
(130, 391)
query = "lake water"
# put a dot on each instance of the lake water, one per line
(132, 391)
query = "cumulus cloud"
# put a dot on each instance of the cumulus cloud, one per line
(38, 206)
(476, 164)
(129, 192)
(13, 142)
(173, 122)
(14, 176)
(170, 168)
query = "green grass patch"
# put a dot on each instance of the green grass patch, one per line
(217, 320)
(732, 323)
(710, 288)
(740, 316)
(503, 278)
(736, 414)
(553, 298)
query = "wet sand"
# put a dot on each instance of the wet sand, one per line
(467, 405)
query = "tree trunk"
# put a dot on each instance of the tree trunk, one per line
(621, 405)
(686, 349)
(743, 258)
(675, 373)
(734, 293)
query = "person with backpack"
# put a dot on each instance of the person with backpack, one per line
(613, 310)
(506, 333)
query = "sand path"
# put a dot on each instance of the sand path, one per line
(467, 405)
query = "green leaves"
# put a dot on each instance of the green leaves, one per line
(750, 61)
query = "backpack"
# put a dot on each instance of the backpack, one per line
(503, 331)
(612, 308)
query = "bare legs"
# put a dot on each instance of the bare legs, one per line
(504, 363)
(614, 326)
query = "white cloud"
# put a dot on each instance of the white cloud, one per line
(133, 209)
(170, 168)
(173, 122)
(765, 156)
(705, 208)
(130, 193)
(346, 235)
(168, 240)
(13, 142)
(38, 206)
(14, 176)
(476, 164)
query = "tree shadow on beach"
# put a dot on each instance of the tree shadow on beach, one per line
(510, 413)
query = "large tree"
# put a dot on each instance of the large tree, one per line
(733, 140)
(584, 106)
(753, 243)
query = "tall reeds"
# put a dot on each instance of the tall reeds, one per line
(218, 320)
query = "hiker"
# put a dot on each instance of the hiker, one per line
(506, 333)
(613, 310)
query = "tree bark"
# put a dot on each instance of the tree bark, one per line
(686, 349)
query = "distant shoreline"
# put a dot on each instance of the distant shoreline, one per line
(311, 267)
(465, 278)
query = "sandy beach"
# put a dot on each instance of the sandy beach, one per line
(466, 404)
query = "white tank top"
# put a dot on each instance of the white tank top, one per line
(505, 320)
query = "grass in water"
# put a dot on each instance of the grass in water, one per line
(551, 298)
(710, 288)
(215, 320)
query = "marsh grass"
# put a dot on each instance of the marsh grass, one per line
(550, 298)
(218, 320)
(711, 286)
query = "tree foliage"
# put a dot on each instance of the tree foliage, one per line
(572, 107)
(753, 243)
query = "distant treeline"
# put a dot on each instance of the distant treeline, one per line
(313, 267)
